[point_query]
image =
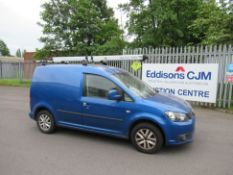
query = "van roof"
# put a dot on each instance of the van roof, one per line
(83, 67)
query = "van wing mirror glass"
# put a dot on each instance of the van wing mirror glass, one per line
(114, 94)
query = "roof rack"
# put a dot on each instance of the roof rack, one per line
(98, 59)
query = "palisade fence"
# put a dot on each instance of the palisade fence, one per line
(22, 70)
(221, 54)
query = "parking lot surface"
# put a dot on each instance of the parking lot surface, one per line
(25, 150)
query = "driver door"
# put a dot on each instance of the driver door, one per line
(100, 113)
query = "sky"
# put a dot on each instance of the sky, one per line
(18, 23)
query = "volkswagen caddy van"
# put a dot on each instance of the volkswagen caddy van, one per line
(110, 101)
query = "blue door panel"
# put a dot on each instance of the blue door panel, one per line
(106, 114)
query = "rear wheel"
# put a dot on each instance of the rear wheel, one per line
(45, 121)
(147, 138)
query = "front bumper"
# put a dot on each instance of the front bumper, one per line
(181, 132)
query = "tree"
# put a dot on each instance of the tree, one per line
(4, 51)
(79, 27)
(214, 23)
(161, 22)
(42, 54)
(18, 53)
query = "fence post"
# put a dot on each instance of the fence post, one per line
(19, 71)
(1, 69)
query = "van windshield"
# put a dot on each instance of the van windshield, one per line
(137, 86)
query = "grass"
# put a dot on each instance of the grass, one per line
(15, 82)
(231, 108)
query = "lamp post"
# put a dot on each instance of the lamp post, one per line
(86, 41)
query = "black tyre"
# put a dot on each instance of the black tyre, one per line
(45, 121)
(147, 138)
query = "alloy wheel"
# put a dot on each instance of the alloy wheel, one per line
(146, 139)
(45, 122)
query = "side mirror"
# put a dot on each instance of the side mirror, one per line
(113, 94)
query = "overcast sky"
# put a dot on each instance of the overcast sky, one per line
(18, 23)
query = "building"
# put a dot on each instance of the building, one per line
(28, 56)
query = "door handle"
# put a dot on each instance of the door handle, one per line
(85, 104)
(128, 111)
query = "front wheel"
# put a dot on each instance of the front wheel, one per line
(45, 121)
(147, 138)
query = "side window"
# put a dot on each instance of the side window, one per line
(97, 86)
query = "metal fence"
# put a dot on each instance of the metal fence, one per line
(222, 55)
(17, 70)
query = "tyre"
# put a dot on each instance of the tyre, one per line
(45, 121)
(147, 138)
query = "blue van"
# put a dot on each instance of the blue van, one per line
(110, 101)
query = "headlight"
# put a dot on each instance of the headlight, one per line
(177, 117)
